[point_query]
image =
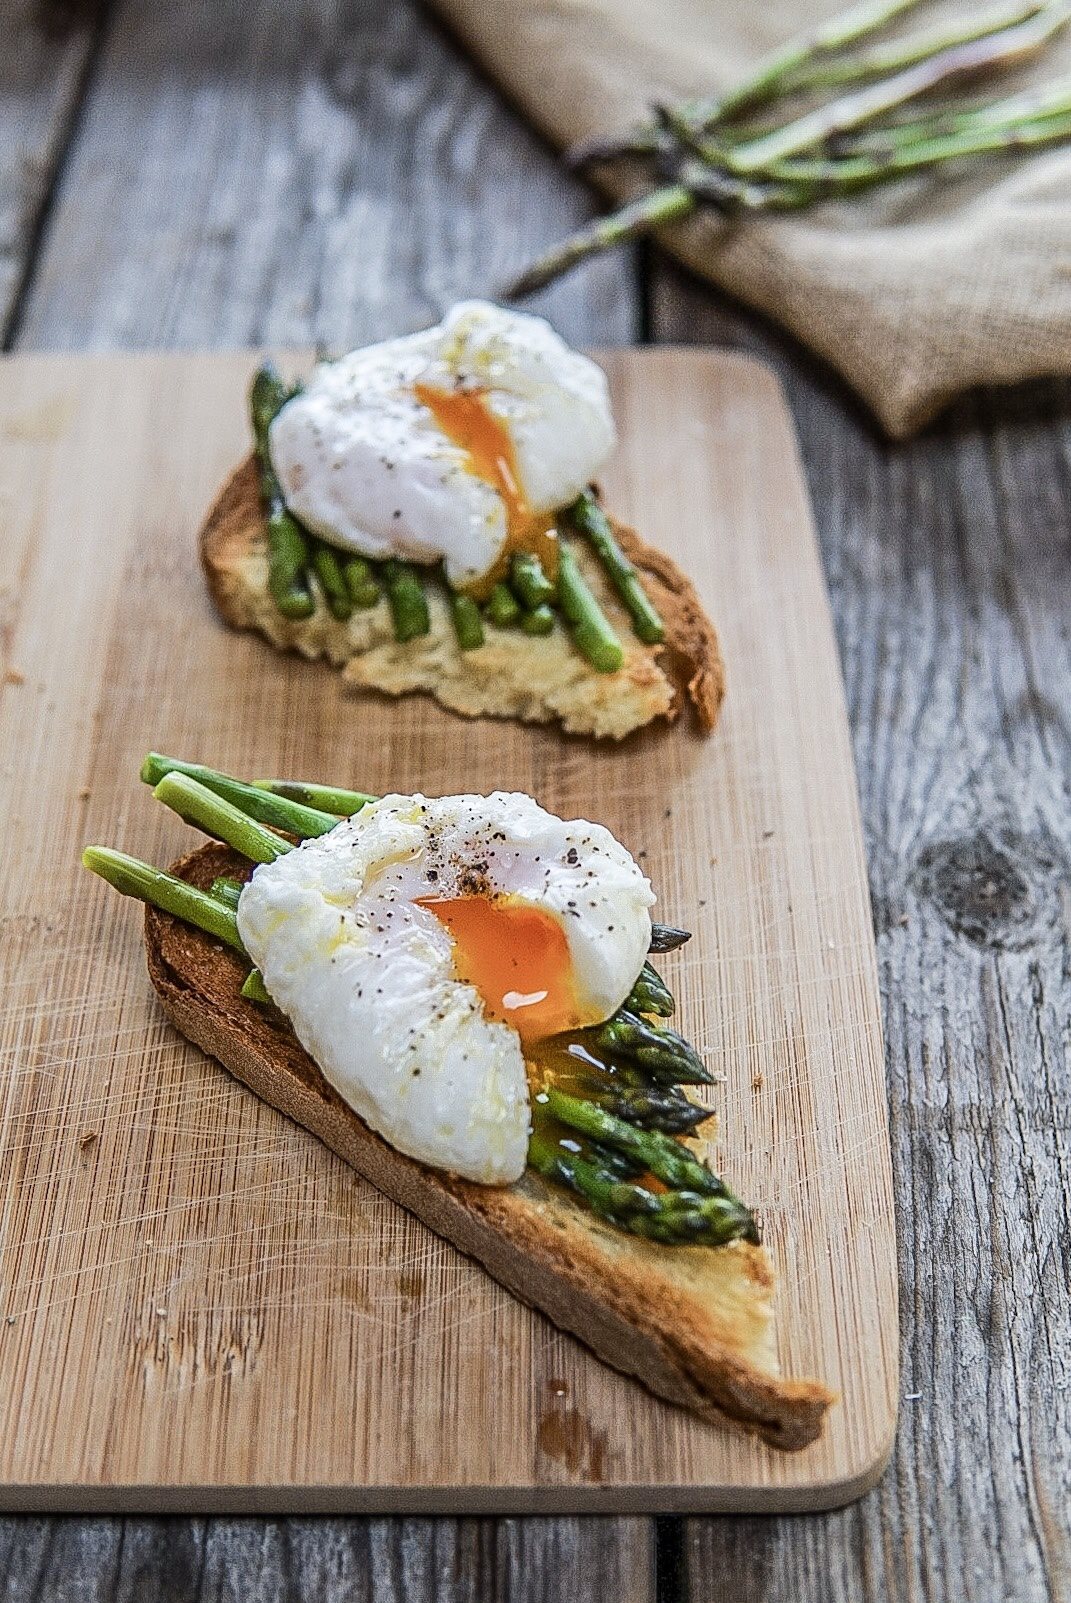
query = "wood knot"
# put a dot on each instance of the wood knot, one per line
(1000, 892)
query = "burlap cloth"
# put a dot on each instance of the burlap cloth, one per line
(913, 292)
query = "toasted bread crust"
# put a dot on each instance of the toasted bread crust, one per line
(511, 675)
(694, 1324)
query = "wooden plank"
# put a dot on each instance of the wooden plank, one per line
(281, 173)
(242, 1323)
(332, 1560)
(42, 72)
(948, 562)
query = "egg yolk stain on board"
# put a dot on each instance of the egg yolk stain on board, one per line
(465, 417)
(517, 957)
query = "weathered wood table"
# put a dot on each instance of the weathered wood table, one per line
(269, 172)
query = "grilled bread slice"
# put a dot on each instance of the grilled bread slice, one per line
(539, 679)
(694, 1324)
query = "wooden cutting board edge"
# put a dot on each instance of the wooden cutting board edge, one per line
(620, 1497)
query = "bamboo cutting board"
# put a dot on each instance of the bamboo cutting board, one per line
(202, 1308)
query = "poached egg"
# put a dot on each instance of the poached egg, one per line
(458, 444)
(425, 949)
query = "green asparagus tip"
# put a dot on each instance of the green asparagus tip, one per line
(131, 877)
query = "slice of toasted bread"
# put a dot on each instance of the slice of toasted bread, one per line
(693, 1323)
(539, 679)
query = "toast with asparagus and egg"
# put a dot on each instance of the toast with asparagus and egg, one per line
(456, 994)
(421, 515)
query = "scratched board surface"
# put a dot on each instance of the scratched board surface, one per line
(201, 1307)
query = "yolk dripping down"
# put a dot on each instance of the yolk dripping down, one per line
(517, 957)
(465, 418)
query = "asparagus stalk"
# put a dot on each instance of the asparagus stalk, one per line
(594, 636)
(769, 78)
(658, 1154)
(882, 60)
(254, 988)
(659, 1050)
(528, 581)
(673, 1218)
(361, 582)
(855, 172)
(503, 608)
(165, 891)
(408, 603)
(291, 813)
(650, 994)
(668, 205)
(662, 1107)
(328, 569)
(288, 549)
(590, 519)
(664, 938)
(1033, 106)
(765, 83)
(226, 890)
(468, 625)
(320, 798)
(540, 621)
(198, 805)
(867, 104)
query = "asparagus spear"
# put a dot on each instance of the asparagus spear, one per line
(650, 994)
(673, 1218)
(595, 639)
(540, 621)
(590, 519)
(361, 582)
(288, 549)
(662, 1107)
(668, 205)
(198, 805)
(528, 581)
(165, 891)
(856, 172)
(408, 603)
(468, 626)
(869, 103)
(664, 938)
(659, 1050)
(882, 60)
(254, 988)
(321, 798)
(503, 608)
(659, 1154)
(226, 890)
(291, 813)
(765, 83)
(328, 569)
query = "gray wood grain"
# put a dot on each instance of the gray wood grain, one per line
(297, 169)
(949, 562)
(324, 1561)
(46, 55)
(287, 173)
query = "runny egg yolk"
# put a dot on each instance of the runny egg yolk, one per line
(465, 417)
(517, 957)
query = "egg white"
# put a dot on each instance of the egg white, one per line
(365, 465)
(366, 976)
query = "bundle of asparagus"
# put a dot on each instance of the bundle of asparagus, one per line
(777, 143)
(529, 600)
(614, 1135)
